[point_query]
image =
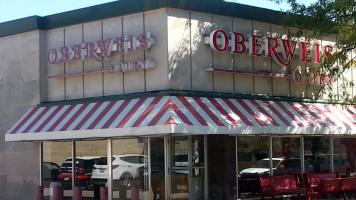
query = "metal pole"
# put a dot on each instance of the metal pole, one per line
(302, 154)
(39, 189)
(74, 171)
(41, 162)
(270, 156)
(331, 143)
(206, 193)
(149, 166)
(237, 169)
(109, 164)
(190, 168)
(166, 166)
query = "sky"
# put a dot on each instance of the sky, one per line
(16, 9)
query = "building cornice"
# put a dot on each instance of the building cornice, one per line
(126, 7)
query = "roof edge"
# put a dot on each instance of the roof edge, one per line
(126, 7)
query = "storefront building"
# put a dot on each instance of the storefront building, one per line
(165, 100)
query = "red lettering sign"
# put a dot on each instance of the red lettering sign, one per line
(101, 49)
(272, 47)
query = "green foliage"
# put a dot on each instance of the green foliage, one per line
(325, 18)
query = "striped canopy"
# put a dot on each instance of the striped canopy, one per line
(181, 115)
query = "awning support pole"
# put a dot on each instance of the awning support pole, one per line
(270, 156)
(331, 146)
(149, 167)
(166, 166)
(74, 168)
(237, 168)
(41, 162)
(109, 164)
(302, 154)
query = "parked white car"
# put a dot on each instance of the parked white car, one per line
(125, 168)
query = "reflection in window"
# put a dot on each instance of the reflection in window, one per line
(55, 155)
(344, 156)
(252, 162)
(157, 168)
(316, 153)
(88, 155)
(179, 168)
(130, 169)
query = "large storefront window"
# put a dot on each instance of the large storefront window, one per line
(179, 172)
(89, 156)
(317, 153)
(56, 156)
(187, 167)
(344, 156)
(198, 167)
(130, 169)
(252, 162)
(286, 156)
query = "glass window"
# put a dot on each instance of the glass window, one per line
(157, 168)
(344, 156)
(317, 154)
(198, 168)
(88, 155)
(130, 169)
(287, 150)
(179, 172)
(252, 154)
(55, 155)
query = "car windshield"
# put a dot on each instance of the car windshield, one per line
(134, 159)
(265, 163)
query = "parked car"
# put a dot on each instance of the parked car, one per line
(125, 169)
(50, 172)
(248, 178)
(321, 164)
(84, 169)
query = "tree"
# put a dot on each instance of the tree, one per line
(324, 18)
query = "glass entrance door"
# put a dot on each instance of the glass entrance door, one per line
(187, 167)
(179, 169)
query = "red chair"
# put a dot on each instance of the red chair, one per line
(326, 186)
(348, 186)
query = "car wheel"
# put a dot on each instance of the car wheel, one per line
(88, 185)
(348, 172)
(126, 180)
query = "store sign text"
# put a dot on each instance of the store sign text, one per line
(267, 46)
(102, 49)
(281, 50)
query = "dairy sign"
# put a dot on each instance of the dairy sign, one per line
(102, 49)
(282, 51)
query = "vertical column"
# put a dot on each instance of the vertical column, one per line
(331, 147)
(206, 193)
(39, 189)
(39, 193)
(149, 168)
(190, 168)
(78, 193)
(166, 165)
(237, 169)
(104, 193)
(302, 154)
(270, 156)
(74, 171)
(41, 161)
(109, 161)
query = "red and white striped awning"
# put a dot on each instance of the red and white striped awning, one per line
(181, 115)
